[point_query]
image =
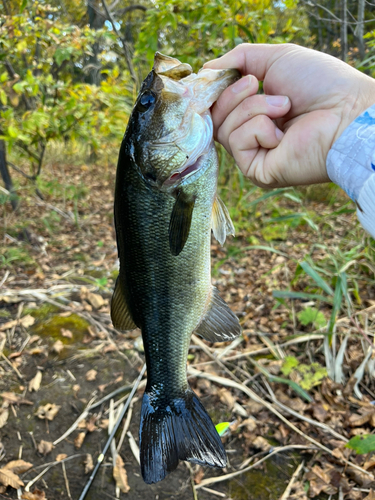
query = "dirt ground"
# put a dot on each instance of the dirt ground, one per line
(60, 355)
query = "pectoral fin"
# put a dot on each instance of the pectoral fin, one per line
(179, 225)
(219, 324)
(221, 221)
(120, 314)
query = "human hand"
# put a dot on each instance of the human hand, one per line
(282, 138)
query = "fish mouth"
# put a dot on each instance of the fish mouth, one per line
(180, 175)
(192, 139)
(194, 158)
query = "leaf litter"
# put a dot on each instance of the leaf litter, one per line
(255, 384)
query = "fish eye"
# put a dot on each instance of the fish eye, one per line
(146, 101)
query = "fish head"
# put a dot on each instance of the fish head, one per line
(171, 125)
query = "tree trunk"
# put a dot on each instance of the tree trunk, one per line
(6, 175)
(96, 22)
(360, 28)
(344, 30)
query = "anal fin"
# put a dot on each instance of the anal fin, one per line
(179, 225)
(222, 224)
(219, 324)
(120, 314)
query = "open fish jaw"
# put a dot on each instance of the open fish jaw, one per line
(194, 136)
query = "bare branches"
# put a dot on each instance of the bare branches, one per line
(125, 44)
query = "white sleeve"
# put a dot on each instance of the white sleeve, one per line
(351, 165)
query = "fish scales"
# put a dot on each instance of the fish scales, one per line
(165, 207)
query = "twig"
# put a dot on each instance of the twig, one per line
(279, 449)
(214, 492)
(195, 494)
(251, 394)
(299, 340)
(296, 473)
(49, 466)
(133, 446)
(10, 364)
(126, 424)
(74, 426)
(66, 480)
(123, 41)
(105, 449)
(4, 278)
(325, 427)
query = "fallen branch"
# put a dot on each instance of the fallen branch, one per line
(108, 443)
(279, 449)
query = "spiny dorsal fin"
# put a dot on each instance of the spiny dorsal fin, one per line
(221, 221)
(120, 314)
(219, 324)
(179, 225)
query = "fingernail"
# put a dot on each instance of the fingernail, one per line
(242, 84)
(277, 100)
(279, 134)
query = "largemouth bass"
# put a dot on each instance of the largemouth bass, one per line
(165, 207)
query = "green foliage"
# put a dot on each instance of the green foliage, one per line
(308, 375)
(312, 316)
(197, 30)
(43, 91)
(362, 444)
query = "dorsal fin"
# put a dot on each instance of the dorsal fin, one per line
(120, 314)
(219, 324)
(179, 225)
(222, 224)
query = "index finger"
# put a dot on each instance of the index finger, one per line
(255, 59)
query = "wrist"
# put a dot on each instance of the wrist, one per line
(357, 103)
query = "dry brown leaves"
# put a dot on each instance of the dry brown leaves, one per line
(91, 375)
(9, 473)
(48, 411)
(79, 440)
(15, 399)
(45, 447)
(35, 382)
(26, 321)
(120, 476)
(89, 464)
(35, 495)
(57, 347)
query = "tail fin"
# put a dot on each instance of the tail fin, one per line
(176, 430)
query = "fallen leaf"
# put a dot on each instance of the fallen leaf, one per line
(95, 300)
(91, 375)
(61, 456)
(57, 347)
(79, 440)
(89, 464)
(9, 478)
(35, 382)
(198, 476)
(26, 321)
(370, 496)
(91, 427)
(227, 398)
(45, 447)
(48, 411)
(120, 476)
(18, 466)
(66, 333)
(35, 495)
(261, 444)
(15, 399)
